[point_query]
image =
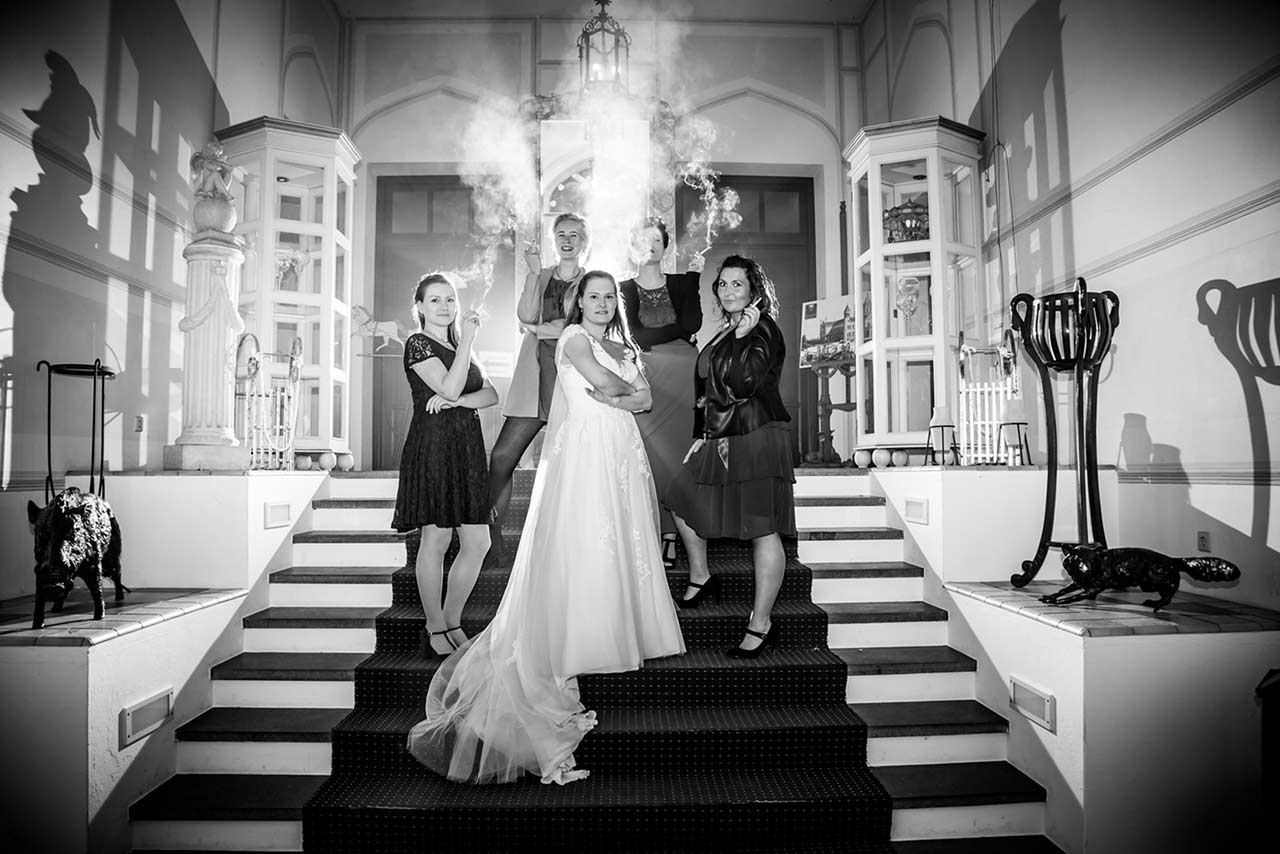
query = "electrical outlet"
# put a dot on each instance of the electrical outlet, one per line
(1202, 540)
(139, 422)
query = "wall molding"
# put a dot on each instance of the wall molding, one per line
(164, 217)
(72, 262)
(1202, 112)
(1241, 206)
(1229, 474)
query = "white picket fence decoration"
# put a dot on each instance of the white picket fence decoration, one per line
(267, 404)
(982, 401)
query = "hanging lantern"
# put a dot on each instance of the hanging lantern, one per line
(604, 52)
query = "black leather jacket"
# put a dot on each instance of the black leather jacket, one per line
(740, 391)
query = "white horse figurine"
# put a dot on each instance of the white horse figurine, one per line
(363, 324)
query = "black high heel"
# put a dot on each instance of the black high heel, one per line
(669, 552)
(769, 638)
(429, 652)
(710, 587)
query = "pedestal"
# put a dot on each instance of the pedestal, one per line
(212, 326)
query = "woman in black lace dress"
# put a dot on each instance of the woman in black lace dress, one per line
(443, 473)
(664, 313)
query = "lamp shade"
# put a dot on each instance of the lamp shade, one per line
(1014, 411)
(941, 417)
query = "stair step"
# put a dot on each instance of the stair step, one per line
(891, 660)
(850, 532)
(866, 569)
(703, 677)
(334, 575)
(228, 797)
(348, 537)
(979, 845)
(257, 724)
(840, 501)
(313, 618)
(882, 612)
(800, 623)
(290, 666)
(938, 717)
(669, 809)
(957, 784)
(353, 503)
(713, 738)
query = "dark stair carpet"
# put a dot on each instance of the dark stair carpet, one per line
(699, 752)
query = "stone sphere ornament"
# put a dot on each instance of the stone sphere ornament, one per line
(862, 459)
(881, 457)
(302, 462)
(346, 462)
(328, 460)
(900, 459)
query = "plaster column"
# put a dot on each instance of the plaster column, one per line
(212, 326)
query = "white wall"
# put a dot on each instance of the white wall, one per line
(1131, 144)
(1173, 754)
(43, 731)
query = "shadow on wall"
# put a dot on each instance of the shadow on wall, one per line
(1022, 107)
(159, 103)
(1245, 325)
(51, 321)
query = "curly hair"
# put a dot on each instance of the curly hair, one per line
(761, 286)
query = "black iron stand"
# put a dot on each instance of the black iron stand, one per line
(826, 454)
(1068, 332)
(97, 427)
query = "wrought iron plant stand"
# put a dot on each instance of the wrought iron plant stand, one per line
(1068, 332)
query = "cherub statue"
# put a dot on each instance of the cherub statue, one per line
(211, 173)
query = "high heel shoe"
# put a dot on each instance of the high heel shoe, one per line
(710, 587)
(428, 651)
(769, 638)
(668, 552)
(449, 632)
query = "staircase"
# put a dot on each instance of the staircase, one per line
(700, 752)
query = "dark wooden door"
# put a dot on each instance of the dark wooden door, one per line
(424, 223)
(777, 231)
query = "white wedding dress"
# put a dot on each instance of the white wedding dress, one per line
(587, 594)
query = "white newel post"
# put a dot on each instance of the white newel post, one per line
(212, 325)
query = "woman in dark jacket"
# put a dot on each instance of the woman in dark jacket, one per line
(737, 480)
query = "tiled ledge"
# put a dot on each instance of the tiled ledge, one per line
(75, 626)
(1115, 614)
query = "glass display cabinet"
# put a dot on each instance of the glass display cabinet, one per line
(294, 185)
(917, 272)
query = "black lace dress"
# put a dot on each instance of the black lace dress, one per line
(443, 471)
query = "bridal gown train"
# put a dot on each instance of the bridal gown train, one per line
(587, 594)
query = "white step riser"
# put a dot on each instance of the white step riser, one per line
(310, 640)
(857, 635)
(363, 487)
(217, 835)
(330, 595)
(842, 551)
(958, 822)
(935, 749)
(254, 757)
(349, 519)
(284, 694)
(902, 687)
(348, 554)
(862, 516)
(867, 589)
(826, 487)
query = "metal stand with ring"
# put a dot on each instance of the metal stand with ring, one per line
(97, 427)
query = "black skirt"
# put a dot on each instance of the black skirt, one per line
(740, 486)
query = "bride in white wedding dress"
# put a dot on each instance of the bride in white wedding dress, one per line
(587, 592)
